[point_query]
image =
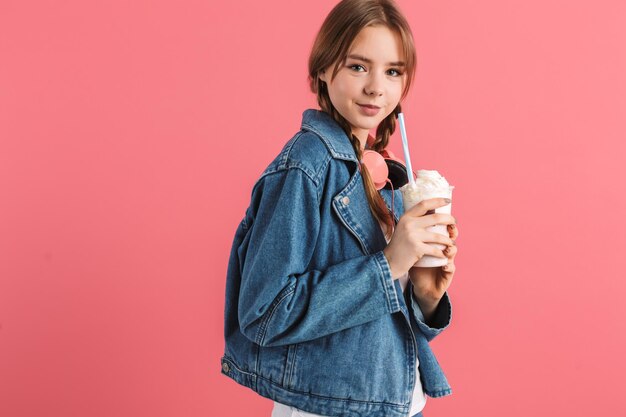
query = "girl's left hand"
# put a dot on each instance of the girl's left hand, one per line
(429, 284)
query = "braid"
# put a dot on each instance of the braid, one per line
(385, 129)
(383, 132)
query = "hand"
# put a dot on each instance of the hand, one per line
(429, 284)
(409, 241)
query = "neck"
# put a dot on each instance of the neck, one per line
(363, 139)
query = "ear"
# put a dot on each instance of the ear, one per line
(322, 76)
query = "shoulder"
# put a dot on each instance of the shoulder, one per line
(298, 170)
(320, 144)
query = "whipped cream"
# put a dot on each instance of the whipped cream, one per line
(428, 184)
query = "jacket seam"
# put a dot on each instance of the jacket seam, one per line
(349, 400)
(334, 153)
(342, 211)
(287, 162)
(425, 328)
(391, 303)
(322, 170)
(255, 375)
(292, 165)
(284, 163)
(440, 393)
(268, 316)
(294, 356)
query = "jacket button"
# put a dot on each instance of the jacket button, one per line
(225, 367)
(345, 201)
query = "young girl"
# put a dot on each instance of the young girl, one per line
(325, 313)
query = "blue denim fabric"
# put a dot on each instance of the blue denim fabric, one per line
(313, 318)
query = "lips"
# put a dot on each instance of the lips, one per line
(369, 106)
(369, 109)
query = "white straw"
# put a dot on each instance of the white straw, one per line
(405, 146)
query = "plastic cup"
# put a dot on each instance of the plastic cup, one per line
(412, 196)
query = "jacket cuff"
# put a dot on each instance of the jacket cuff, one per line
(441, 318)
(387, 280)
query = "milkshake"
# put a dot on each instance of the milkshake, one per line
(429, 184)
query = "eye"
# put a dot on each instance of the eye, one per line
(398, 73)
(355, 66)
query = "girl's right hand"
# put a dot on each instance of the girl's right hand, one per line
(408, 243)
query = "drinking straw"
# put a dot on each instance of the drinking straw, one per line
(405, 147)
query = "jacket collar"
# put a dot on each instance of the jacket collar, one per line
(330, 132)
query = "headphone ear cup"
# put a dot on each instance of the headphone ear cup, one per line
(377, 168)
(397, 174)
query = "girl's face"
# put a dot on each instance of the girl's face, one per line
(369, 86)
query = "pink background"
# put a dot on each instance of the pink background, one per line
(131, 134)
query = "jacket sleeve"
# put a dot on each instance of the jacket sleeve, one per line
(281, 299)
(441, 318)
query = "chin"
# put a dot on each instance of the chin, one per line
(371, 126)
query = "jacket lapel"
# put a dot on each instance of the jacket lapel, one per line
(352, 207)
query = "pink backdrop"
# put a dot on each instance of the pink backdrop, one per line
(131, 134)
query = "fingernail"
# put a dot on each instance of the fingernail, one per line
(448, 200)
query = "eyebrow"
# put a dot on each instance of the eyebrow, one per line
(369, 61)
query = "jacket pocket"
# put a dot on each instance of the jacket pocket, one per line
(369, 363)
(271, 363)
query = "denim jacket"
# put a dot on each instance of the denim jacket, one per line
(313, 318)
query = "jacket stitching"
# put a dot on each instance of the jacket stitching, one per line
(292, 358)
(393, 304)
(349, 400)
(268, 316)
(333, 151)
(433, 394)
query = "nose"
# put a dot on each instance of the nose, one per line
(374, 86)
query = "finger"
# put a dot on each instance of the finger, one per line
(431, 250)
(450, 251)
(437, 218)
(453, 231)
(424, 206)
(449, 268)
(434, 237)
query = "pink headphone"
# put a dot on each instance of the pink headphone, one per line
(386, 170)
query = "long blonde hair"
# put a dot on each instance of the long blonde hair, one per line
(331, 46)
